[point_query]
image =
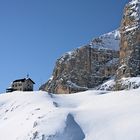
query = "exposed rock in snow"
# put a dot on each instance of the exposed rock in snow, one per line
(109, 85)
(128, 83)
(124, 83)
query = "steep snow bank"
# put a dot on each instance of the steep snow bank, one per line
(126, 83)
(83, 116)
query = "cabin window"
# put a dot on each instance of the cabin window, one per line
(124, 71)
(19, 84)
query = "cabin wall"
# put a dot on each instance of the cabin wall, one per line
(27, 86)
(17, 86)
(23, 86)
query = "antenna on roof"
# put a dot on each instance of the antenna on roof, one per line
(27, 76)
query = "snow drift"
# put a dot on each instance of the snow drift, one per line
(89, 115)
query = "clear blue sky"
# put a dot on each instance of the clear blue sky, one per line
(34, 33)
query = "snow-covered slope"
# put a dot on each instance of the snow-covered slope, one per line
(126, 83)
(91, 115)
(109, 41)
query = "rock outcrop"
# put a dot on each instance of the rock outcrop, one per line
(130, 43)
(86, 67)
(113, 54)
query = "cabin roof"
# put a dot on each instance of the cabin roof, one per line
(23, 80)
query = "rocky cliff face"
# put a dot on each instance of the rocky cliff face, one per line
(85, 67)
(130, 43)
(91, 65)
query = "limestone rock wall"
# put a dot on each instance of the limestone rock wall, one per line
(85, 67)
(130, 43)
(91, 65)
